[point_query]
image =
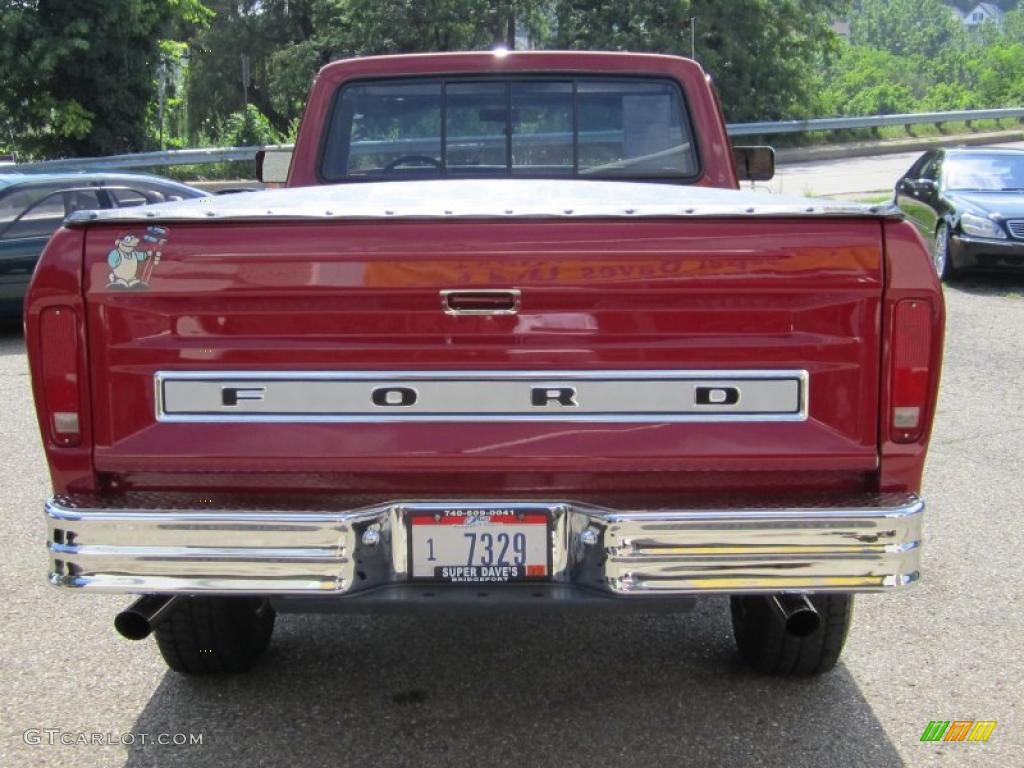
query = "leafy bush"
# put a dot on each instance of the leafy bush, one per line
(881, 99)
(247, 128)
(947, 97)
(1001, 75)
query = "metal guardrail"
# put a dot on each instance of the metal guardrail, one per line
(142, 160)
(225, 154)
(873, 121)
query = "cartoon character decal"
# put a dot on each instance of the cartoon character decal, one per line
(130, 266)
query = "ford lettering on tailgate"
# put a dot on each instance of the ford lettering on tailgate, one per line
(483, 395)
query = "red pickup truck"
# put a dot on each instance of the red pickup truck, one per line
(511, 338)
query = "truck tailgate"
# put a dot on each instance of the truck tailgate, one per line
(621, 300)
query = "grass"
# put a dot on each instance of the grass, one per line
(873, 199)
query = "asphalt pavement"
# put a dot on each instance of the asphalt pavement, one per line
(559, 690)
(848, 176)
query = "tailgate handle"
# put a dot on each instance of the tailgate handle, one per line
(480, 302)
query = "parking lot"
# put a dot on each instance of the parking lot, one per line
(561, 690)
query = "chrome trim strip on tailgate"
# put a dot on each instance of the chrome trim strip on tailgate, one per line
(866, 544)
(389, 396)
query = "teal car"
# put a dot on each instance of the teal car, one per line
(32, 207)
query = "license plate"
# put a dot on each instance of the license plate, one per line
(479, 544)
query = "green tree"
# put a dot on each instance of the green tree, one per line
(906, 27)
(287, 41)
(78, 77)
(634, 25)
(762, 53)
(407, 26)
(1001, 75)
(1013, 25)
(867, 81)
(256, 30)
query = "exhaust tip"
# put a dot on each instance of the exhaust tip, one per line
(132, 625)
(803, 623)
(136, 622)
(797, 613)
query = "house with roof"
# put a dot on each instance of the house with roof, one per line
(982, 13)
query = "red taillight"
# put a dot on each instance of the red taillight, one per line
(58, 337)
(911, 359)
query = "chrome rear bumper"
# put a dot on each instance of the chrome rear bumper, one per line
(160, 544)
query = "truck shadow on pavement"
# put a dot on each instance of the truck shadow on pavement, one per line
(549, 689)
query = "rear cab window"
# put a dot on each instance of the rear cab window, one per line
(553, 127)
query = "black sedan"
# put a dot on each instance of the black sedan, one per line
(970, 204)
(32, 206)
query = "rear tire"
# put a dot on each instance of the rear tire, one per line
(215, 635)
(765, 645)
